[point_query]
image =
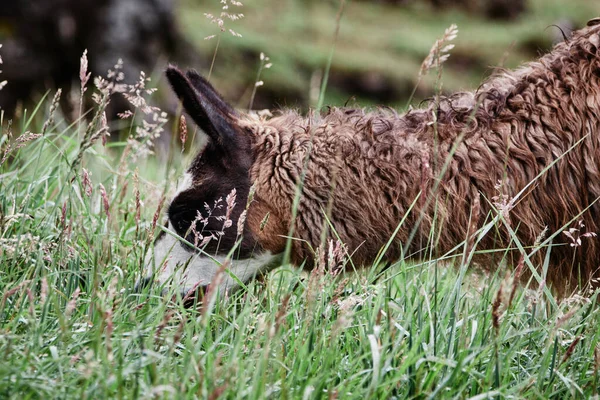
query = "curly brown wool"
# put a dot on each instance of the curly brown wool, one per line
(461, 153)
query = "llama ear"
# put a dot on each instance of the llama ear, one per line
(205, 107)
(203, 86)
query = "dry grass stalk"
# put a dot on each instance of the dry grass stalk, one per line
(316, 278)
(241, 222)
(183, 132)
(12, 291)
(84, 77)
(516, 279)
(44, 290)
(31, 302)
(473, 223)
(108, 321)
(63, 216)
(219, 20)
(265, 63)
(53, 107)
(425, 172)
(189, 296)
(105, 201)
(565, 317)
(86, 182)
(340, 290)
(163, 324)
(223, 16)
(179, 332)
(123, 192)
(575, 235)
(138, 202)
(440, 51)
(570, 349)
(497, 308)
(152, 125)
(72, 303)
(282, 312)
(92, 133)
(20, 142)
(211, 292)
(216, 394)
(503, 203)
(152, 228)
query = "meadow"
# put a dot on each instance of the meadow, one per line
(79, 211)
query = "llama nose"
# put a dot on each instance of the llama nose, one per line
(142, 284)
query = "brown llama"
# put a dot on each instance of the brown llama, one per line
(520, 155)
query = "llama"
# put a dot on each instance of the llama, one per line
(523, 150)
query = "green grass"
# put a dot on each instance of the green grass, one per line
(71, 325)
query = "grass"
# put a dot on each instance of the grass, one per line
(71, 325)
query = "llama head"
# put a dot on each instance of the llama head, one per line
(206, 216)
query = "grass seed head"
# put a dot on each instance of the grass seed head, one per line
(497, 306)
(105, 200)
(44, 290)
(183, 131)
(240, 223)
(84, 75)
(53, 107)
(138, 202)
(63, 215)
(72, 303)
(565, 317)
(440, 51)
(155, 219)
(570, 349)
(86, 182)
(516, 279)
(225, 15)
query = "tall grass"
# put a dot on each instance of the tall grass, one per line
(77, 217)
(72, 327)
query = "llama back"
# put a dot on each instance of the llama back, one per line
(466, 157)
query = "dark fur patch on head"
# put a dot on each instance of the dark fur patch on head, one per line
(222, 166)
(204, 205)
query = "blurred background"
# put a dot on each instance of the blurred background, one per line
(378, 52)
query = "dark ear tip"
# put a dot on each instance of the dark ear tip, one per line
(172, 67)
(195, 77)
(179, 82)
(192, 73)
(173, 71)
